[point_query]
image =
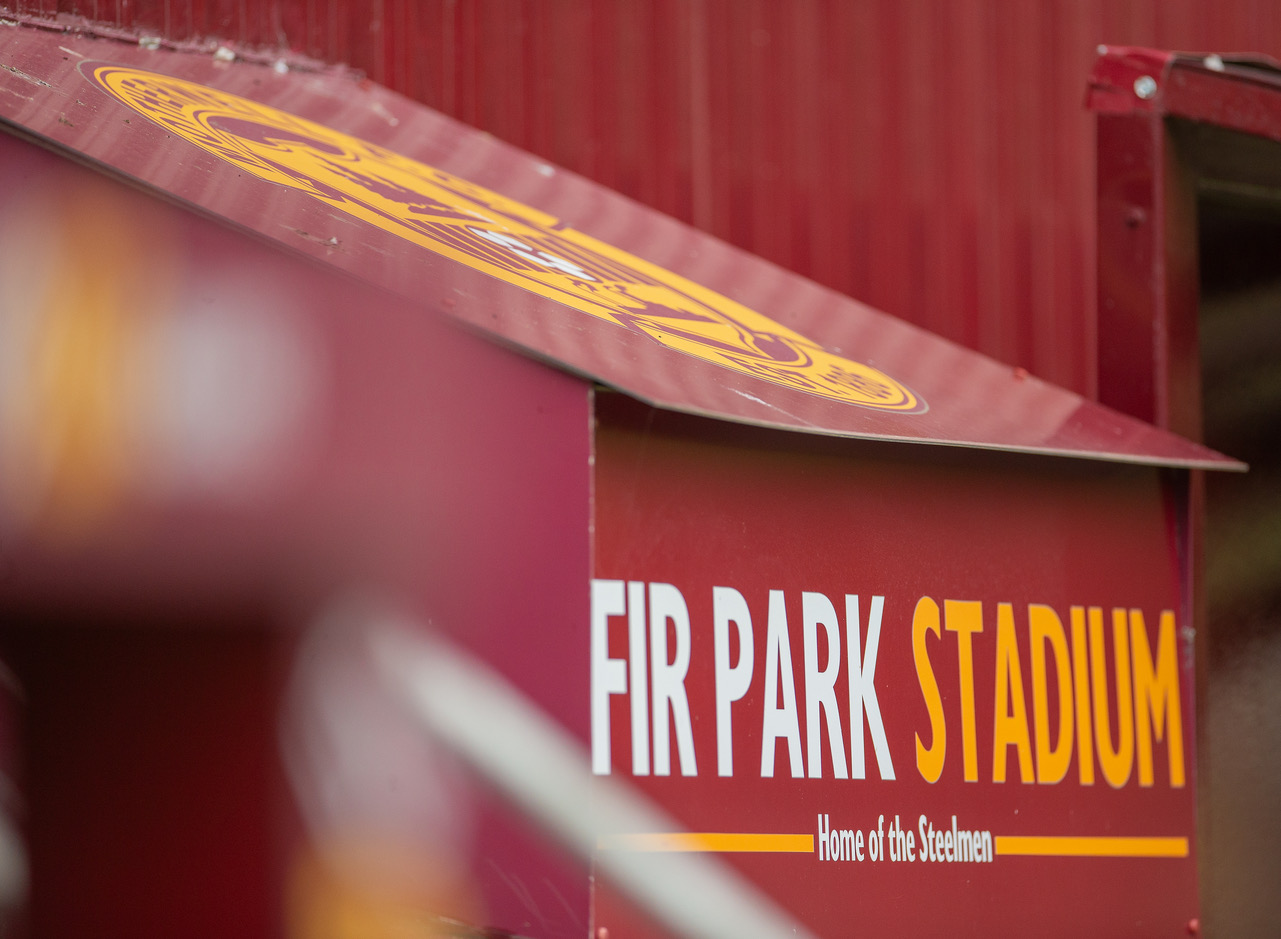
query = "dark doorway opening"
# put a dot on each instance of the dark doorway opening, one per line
(1239, 255)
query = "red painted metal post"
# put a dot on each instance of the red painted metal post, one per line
(1147, 251)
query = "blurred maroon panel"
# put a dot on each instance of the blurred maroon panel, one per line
(401, 456)
(152, 794)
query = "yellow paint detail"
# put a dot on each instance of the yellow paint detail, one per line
(1010, 725)
(929, 760)
(707, 842)
(74, 317)
(965, 618)
(1045, 626)
(499, 236)
(1081, 690)
(1069, 846)
(1157, 708)
(1116, 759)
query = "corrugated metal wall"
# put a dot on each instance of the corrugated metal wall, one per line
(931, 157)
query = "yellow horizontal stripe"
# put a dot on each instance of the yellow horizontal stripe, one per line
(1053, 846)
(706, 841)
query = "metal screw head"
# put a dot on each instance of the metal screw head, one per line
(1145, 86)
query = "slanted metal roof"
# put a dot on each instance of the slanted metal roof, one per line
(385, 189)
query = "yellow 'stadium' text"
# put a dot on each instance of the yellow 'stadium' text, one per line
(1145, 692)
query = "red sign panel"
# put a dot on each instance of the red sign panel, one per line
(904, 690)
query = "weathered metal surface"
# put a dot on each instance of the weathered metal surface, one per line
(1162, 145)
(598, 285)
(930, 159)
(1237, 92)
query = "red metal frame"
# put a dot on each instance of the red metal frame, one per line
(1147, 249)
(1167, 124)
(933, 161)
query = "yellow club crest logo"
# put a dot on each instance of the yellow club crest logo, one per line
(499, 236)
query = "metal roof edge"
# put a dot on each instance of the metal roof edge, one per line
(668, 315)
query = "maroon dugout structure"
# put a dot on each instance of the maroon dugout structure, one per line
(1188, 153)
(401, 531)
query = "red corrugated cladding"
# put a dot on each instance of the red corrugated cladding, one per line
(931, 158)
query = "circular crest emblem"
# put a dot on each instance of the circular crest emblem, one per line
(499, 236)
